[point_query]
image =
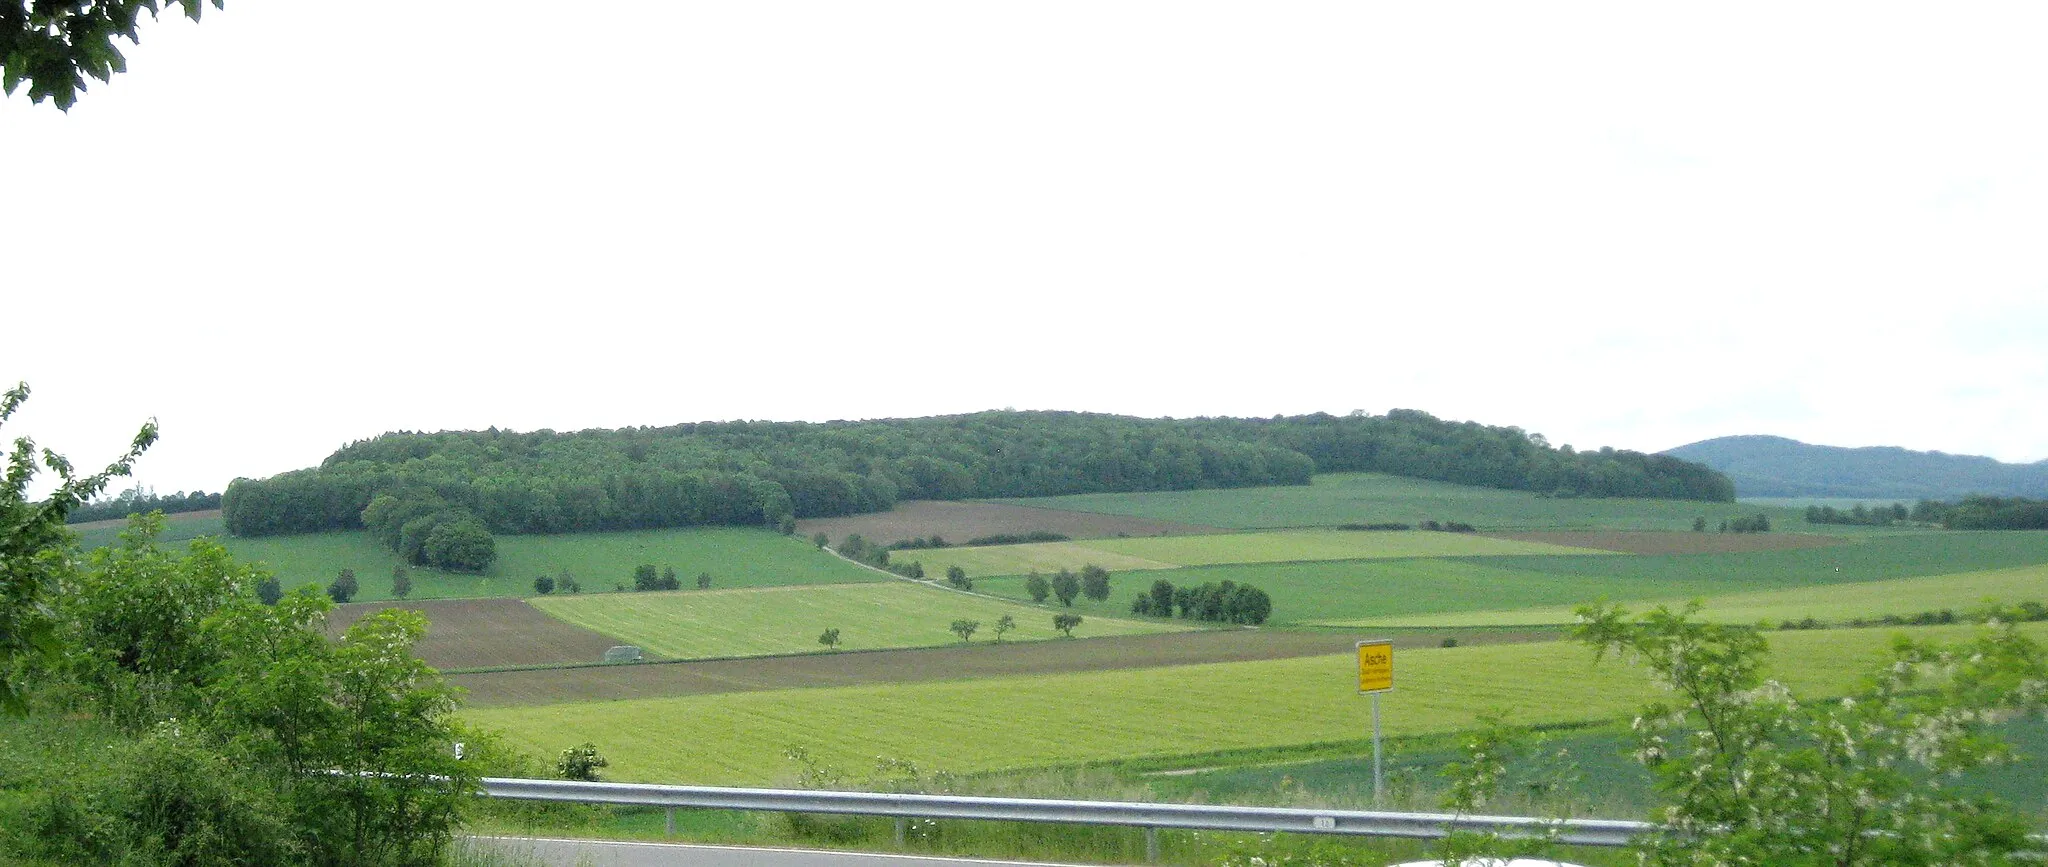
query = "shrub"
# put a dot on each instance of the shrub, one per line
(581, 762)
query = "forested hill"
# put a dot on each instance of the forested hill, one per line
(769, 472)
(1769, 466)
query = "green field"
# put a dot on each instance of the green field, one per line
(735, 557)
(691, 624)
(995, 724)
(179, 528)
(1344, 498)
(1835, 603)
(1167, 552)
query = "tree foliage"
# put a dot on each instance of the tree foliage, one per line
(55, 45)
(758, 473)
(1753, 775)
(1065, 623)
(139, 500)
(33, 541)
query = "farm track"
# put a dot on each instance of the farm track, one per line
(980, 660)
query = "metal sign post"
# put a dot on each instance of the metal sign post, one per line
(1375, 676)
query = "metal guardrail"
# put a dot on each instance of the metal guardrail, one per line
(1151, 817)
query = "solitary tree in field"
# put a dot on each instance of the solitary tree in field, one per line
(543, 585)
(401, 581)
(703, 580)
(1005, 624)
(957, 577)
(1038, 587)
(830, 638)
(965, 629)
(344, 586)
(1066, 587)
(669, 580)
(646, 577)
(1095, 582)
(1065, 623)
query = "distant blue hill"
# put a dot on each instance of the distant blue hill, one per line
(1769, 466)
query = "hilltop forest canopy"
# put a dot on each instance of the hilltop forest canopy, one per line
(405, 485)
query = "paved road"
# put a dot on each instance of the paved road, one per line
(598, 853)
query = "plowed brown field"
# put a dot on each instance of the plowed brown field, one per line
(1647, 542)
(959, 522)
(981, 659)
(479, 633)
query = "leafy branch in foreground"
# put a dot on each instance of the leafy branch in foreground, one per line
(1753, 775)
(33, 541)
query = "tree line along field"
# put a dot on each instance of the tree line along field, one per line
(690, 624)
(995, 724)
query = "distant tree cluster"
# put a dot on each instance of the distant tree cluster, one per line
(919, 544)
(140, 500)
(1225, 602)
(768, 473)
(1757, 523)
(1859, 515)
(427, 530)
(1989, 513)
(647, 578)
(1019, 538)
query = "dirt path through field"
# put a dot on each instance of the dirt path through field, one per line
(981, 660)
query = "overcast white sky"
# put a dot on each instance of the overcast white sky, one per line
(1638, 225)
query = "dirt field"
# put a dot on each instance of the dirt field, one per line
(982, 659)
(1646, 542)
(477, 633)
(959, 522)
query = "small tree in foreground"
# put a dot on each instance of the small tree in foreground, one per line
(965, 629)
(1753, 776)
(343, 587)
(1065, 623)
(580, 762)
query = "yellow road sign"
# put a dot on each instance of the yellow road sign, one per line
(1375, 666)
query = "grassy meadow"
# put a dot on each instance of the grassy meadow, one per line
(735, 557)
(1833, 603)
(1168, 552)
(1007, 723)
(1363, 498)
(690, 624)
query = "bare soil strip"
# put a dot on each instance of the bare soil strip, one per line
(1654, 542)
(481, 633)
(982, 659)
(958, 522)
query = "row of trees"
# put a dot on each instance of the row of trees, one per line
(1066, 586)
(770, 472)
(1975, 512)
(138, 500)
(1215, 602)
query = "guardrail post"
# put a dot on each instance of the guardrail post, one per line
(670, 828)
(901, 825)
(1151, 845)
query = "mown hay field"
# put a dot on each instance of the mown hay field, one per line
(735, 557)
(1005, 723)
(693, 624)
(1280, 546)
(480, 633)
(1357, 590)
(1362, 498)
(957, 522)
(981, 659)
(1834, 603)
